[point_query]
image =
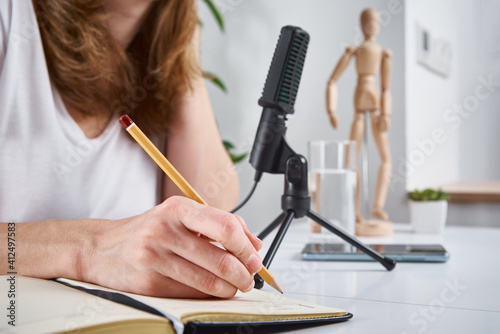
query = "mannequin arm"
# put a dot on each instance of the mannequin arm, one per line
(331, 90)
(386, 70)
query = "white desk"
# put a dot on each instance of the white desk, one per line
(414, 297)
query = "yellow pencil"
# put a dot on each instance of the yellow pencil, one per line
(178, 179)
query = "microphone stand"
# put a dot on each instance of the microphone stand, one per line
(272, 154)
(296, 203)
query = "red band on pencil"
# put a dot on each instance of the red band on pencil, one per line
(126, 121)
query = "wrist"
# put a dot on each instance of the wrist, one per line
(89, 249)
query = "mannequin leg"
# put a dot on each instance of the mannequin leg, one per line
(357, 129)
(384, 172)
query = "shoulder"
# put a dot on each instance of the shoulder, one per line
(386, 53)
(18, 24)
(15, 15)
(350, 50)
(5, 19)
(5, 11)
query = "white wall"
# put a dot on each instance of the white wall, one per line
(469, 151)
(430, 162)
(241, 57)
(480, 58)
(467, 111)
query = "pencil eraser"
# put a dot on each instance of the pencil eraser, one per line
(126, 121)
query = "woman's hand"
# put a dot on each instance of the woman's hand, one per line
(167, 252)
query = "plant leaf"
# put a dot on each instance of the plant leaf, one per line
(228, 145)
(428, 195)
(215, 80)
(216, 13)
(218, 82)
(237, 158)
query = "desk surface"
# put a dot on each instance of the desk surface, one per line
(460, 296)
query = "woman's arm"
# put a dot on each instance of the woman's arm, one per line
(48, 249)
(163, 252)
(195, 148)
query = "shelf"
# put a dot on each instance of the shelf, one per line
(473, 191)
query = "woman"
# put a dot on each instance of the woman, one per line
(85, 193)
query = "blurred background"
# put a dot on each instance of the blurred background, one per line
(445, 126)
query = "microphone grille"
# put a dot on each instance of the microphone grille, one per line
(283, 78)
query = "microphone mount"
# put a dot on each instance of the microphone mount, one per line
(272, 154)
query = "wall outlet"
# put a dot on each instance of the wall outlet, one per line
(435, 54)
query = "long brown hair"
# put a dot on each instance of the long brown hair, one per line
(95, 75)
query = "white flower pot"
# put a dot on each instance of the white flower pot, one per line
(428, 216)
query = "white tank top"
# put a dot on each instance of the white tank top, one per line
(48, 168)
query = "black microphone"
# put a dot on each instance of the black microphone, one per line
(270, 150)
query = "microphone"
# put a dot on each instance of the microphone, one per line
(270, 150)
(272, 154)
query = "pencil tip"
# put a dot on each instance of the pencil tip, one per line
(276, 286)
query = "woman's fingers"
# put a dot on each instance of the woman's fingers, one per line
(195, 277)
(214, 259)
(220, 226)
(162, 286)
(256, 242)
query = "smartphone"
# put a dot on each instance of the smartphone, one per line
(398, 252)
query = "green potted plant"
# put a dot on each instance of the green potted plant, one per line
(428, 210)
(212, 77)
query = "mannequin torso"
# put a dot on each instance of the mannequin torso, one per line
(368, 59)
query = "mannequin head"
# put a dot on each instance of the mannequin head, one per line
(370, 23)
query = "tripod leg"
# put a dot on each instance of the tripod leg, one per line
(388, 263)
(289, 215)
(278, 238)
(271, 226)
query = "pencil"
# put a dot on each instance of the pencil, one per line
(178, 179)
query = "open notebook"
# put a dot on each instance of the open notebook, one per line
(45, 306)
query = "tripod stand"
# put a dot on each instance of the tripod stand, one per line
(295, 203)
(272, 154)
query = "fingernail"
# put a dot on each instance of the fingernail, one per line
(259, 241)
(250, 287)
(254, 263)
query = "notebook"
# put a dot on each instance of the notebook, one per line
(57, 306)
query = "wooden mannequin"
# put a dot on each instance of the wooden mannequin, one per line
(370, 59)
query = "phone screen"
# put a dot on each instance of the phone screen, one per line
(399, 252)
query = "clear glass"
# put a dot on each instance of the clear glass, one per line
(332, 186)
